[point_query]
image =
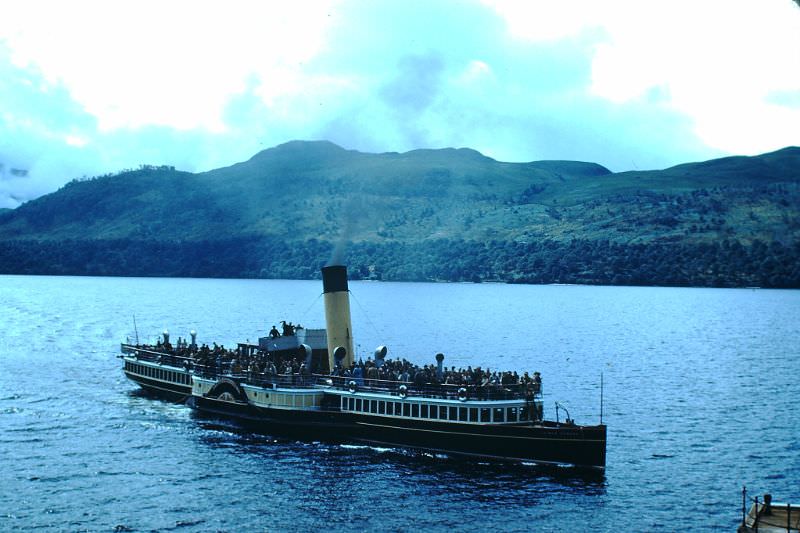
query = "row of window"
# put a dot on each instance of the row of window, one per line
(158, 373)
(433, 412)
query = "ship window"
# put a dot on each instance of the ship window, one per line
(406, 409)
(511, 414)
(485, 414)
(398, 408)
(498, 414)
(473, 415)
(462, 414)
(434, 411)
(415, 411)
(351, 403)
(373, 406)
(443, 412)
(453, 413)
(424, 410)
(381, 408)
(358, 404)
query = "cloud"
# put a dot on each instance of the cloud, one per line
(96, 86)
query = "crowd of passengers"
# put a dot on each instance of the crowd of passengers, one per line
(259, 365)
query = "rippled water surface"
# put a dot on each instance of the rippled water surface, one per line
(701, 387)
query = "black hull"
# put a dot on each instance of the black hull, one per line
(545, 443)
(174, 392)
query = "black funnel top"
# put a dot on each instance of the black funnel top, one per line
(334, 278)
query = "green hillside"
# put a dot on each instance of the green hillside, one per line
(298, 198)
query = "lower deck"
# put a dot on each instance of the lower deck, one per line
(506, 430)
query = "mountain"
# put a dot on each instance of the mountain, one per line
(297, 199)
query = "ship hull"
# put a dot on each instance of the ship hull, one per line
(544, 442)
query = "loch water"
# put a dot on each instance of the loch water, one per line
(701, 388)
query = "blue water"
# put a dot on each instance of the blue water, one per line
(701, 387)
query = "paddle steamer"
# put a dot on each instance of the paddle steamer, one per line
(325, 401)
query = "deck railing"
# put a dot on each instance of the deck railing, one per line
(517, 391)
(224, 368)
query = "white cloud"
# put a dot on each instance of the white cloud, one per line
(716, 61)
(76, 140)
(164, 63)
(93, 86)
(543, 20)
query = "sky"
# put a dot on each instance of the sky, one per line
(90, 87)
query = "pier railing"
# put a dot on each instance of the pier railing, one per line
(767, 515)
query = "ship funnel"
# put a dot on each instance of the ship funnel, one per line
(380, 355)
(337, 314)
